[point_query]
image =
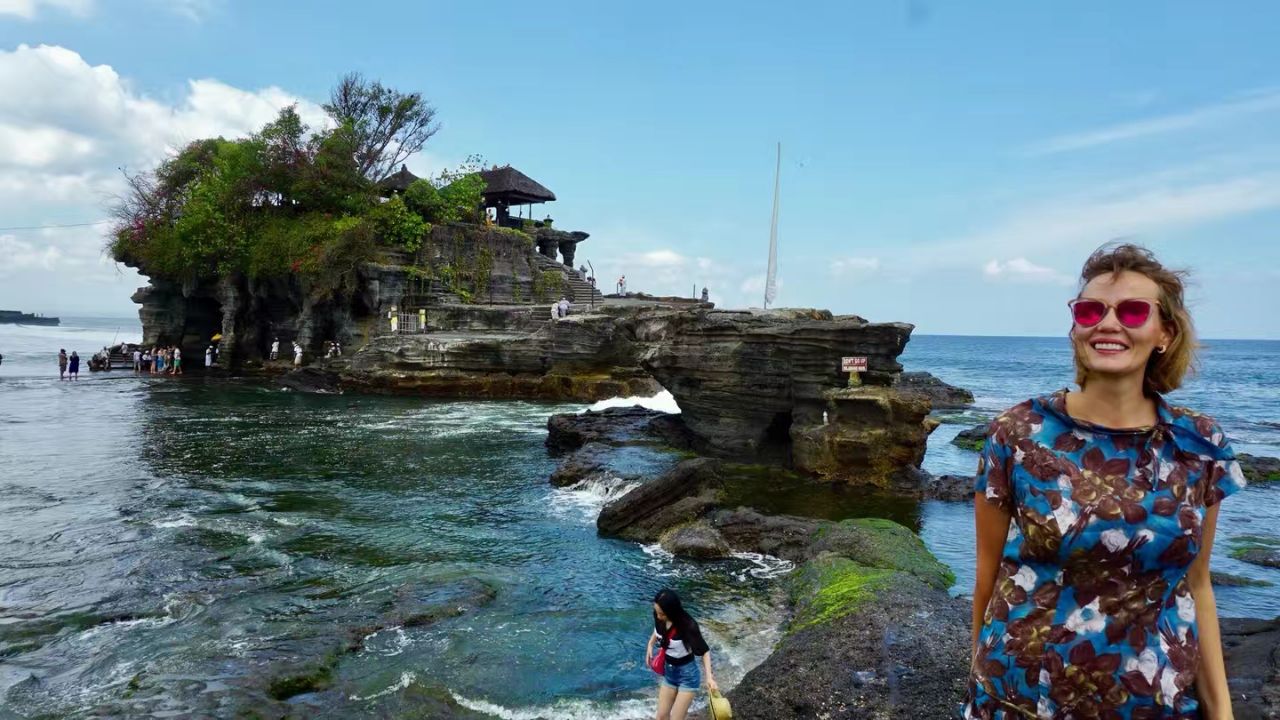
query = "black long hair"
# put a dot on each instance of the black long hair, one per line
(669, 601)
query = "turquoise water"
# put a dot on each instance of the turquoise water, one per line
(172, 544)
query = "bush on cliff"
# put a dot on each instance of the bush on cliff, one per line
(288, 200)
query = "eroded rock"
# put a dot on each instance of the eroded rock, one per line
(940, 394)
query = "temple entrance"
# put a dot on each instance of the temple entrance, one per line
(203, 321)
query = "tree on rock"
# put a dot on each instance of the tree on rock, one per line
(388, 125)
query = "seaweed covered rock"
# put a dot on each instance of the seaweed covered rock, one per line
(874, 634)
(1259, 469)
(941, 395)
(971, 438)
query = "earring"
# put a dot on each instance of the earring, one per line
(1161, 349)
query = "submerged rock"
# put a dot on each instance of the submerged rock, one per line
(1225, 579)
(1259, 469)
(311, 379)
(950, 488)
(971, 439)
(1258, 554)
(589, 460)
(940, 394)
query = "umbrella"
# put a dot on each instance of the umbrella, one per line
(216, 336)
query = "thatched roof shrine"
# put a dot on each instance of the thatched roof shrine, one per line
(397, 182)
(507, 186)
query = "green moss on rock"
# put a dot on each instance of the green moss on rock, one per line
(880, 543)
(831, 587)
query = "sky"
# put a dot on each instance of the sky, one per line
(945, 164)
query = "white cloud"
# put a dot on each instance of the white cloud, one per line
(66, 127)
(1022, 270)
(663, 258)
(1081, 223)
(27, 9)
(23, 255)
(1251, 103)
(854, 266)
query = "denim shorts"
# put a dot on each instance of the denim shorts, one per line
(684, 678)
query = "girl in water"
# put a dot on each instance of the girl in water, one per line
(679, 634)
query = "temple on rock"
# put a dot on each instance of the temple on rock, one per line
(507, 187)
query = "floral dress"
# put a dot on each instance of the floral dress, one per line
(1092, 615)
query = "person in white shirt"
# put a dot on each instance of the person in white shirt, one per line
(208, 356)
(564, 307)
(137, 360)
(680, 641)
(275, 348)
(297, 355)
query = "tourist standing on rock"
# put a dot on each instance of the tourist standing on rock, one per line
(622, 285)
(275, 349)
(679, 637)
(706, 297)
(137, 360)
(297, 354)
(62, 363)
(208, 357)
(564, 306)
(73, 367)
(1096, 511)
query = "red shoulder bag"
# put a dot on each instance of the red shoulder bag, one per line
(659, 662)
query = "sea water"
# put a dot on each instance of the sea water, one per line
(171, 539)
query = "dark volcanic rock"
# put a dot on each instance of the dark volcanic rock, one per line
(611, 426)
(311, 379)
(874, 633)
(950, 488)
(584, 357)
(1228, 580)
(698, 540)
(782, 536)
(766, 386)
(679, 496)
(904, 657)
(940, 394)
(1258, 554)
(1259, 469)
(591, 459)
(971, 439)
(1252, 651)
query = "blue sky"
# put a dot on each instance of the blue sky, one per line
(945, 164)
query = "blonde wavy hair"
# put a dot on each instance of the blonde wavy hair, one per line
(1165, 371)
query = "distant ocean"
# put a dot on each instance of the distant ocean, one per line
(165, 540)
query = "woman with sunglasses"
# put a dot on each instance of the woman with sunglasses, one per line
(1095, 512)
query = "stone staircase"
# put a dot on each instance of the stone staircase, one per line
(582, 291)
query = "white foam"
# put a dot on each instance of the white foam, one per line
(589, 496)
(764, 566)
(663, 401)
(407, 678)
(632, 709)
(183, 520)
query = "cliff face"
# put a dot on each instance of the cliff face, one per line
(767, 386)
(754, 386)
(455, 263)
